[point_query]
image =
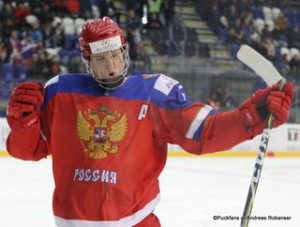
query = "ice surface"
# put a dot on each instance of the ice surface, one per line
(193, 191)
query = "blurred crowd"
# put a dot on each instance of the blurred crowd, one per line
(271, 27)
(39, 39)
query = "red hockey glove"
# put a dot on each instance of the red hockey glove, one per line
(24, 104)
(255, 110)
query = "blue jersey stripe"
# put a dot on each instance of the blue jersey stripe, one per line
(136, 87)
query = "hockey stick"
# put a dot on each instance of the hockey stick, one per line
(266, 70)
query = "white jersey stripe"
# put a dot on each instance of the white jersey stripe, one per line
(52, 81)
(124, 222)
(200, 117)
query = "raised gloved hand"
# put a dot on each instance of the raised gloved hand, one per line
(24, 105)
(256, 110)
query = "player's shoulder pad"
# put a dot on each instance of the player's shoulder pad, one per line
(165, 84)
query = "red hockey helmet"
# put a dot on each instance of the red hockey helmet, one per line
(97, 30)
(101, 42)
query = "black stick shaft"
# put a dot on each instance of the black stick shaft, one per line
(255, 177)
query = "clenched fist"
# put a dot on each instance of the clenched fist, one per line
(24, 105)
(272, 100)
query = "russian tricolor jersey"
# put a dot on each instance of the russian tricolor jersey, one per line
(109, 147)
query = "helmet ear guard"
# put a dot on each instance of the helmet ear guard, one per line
(104, 36)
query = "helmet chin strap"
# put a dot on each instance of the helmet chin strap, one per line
(111, 85)
(107, 83)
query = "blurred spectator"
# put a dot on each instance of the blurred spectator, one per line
(154, 7)
(86, 8)
(107, 8)
(222, 99)
(36, 6)
(133, 25)
(55, 66)
(57, 38)
(267, 32)
(36, 33)
(247, 17)
(14, 50)
(46, 33)
(76, 65)
(212, 14)
(21, 12)
(136, 5)
(235, 32)
(45, 14)
(168, 11)
(154, 22)
(28, 48)
(280, 30)
(144, 57)
(228, 101)
(293, 37)
(255, 41)
(232, 14)
(295, 64)
(268, 49)
(247, 25)
(60, 6)
(72, 6)
(7, 12)
(154, 32)
(281, 22)
(42, 66)
(6, 29)
(3, 52)
(283, 65)
(244, 5)
(215, 98)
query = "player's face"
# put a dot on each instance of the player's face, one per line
(107, 65)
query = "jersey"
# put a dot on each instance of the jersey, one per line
(109, 147)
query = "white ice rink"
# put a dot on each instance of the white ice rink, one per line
(193, 192)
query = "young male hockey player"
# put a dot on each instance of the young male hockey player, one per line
(107, 133)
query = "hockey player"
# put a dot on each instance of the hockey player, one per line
(107, 132)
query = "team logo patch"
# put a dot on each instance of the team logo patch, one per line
(100, 131)
(165, 84)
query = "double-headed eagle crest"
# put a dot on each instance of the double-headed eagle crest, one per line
(100, 130)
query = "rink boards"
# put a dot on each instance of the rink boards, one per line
(284, 142)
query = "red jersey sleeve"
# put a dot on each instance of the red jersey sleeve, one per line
(195, 126)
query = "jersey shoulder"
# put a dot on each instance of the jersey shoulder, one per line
(69, 80)
(158, 82)
(159, 89)
(79, 83)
